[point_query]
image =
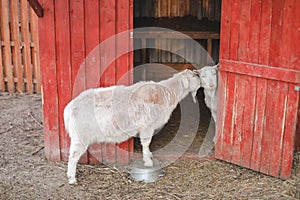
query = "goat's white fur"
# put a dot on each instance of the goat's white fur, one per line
(114, 114)
(209, 81)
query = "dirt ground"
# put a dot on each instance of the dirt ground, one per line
(25, 174)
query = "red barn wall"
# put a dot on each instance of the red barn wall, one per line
(259, 69)
(69, 31)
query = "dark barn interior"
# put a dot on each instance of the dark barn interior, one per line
(198, 19)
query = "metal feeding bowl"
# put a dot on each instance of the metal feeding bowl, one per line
(146, 174)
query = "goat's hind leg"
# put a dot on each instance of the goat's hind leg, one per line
(76, 151)
(147, 155)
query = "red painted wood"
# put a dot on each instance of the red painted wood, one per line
(108, 76)
(289, 131)
(248, 120)
(77, 34)
(238, 112)
(63, 63)
(276, 32)
(295, 50)
(234, 29)
(49, 84)
(92, 63)
(244, 10)
(222, 96)
(122, 63)
(280, 94)
(263, 71)
(225, 26)
(261, 96)
(265, 32)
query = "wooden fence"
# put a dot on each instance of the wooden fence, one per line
(19, 49)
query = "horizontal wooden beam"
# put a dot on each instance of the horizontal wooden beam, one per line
(36, 6)
(175, 35)
(262, 71)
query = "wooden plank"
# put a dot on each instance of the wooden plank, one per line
(108, 75)
(265, 32)
(289, 131)
(225, 42)
(276, 32)
(63, 63)
(244, 30)
(209, 50)
(181, 8)
(16, 53)
(26, 48)
(176, 35)
(268, 130)
(248, 121)
(77, 47)
(295, 50)
(2, 86)
(222, 102)
(35, 52)
(92, 62)
(263, 71)
(37, 8)
(122, 63)
(234, 29)
(261, 96)
(280, 93)
(49, 83)
(254, 31)
(5, 35)
(163, 8)
(174, 8)
(238, 112)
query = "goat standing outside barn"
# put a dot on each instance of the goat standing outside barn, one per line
(115, 114)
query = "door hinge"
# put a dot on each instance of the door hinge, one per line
(131, 34)
(297, 88)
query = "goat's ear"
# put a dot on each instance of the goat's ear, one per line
(185, 83)
(216, 66)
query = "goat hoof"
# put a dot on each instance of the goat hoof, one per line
(148, 163)
(73, 182)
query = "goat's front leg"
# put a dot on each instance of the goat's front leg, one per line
(147, 155)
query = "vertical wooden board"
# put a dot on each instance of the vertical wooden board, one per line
(181, 8)
(26, 46)
(225, 26)
(49, 84)
(254, 31)
(265, 32)
(287, 28)
(276, 32)
(122, 63)
(92, 62)
(289, 131)
(5, 35)
(164, 8)
(248, 121)
(63, 63)
(261, 92)
(229, 115)
(16, 53)
(238, 110)
(295, 50)
(281, 94)
(222, 102)
(35, 53)
(235, 29)
(2, 87)
(173, 8)
(268, 130)
(245, 8)
(77, 46)
(108, 76)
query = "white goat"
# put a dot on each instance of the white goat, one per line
(209, 81)
(114, 114)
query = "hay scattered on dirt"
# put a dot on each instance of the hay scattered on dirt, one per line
(25, 174)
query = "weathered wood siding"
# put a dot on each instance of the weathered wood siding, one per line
(260, 67)
(69, 31)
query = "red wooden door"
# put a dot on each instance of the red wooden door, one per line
(69, 32)
(259, 75)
